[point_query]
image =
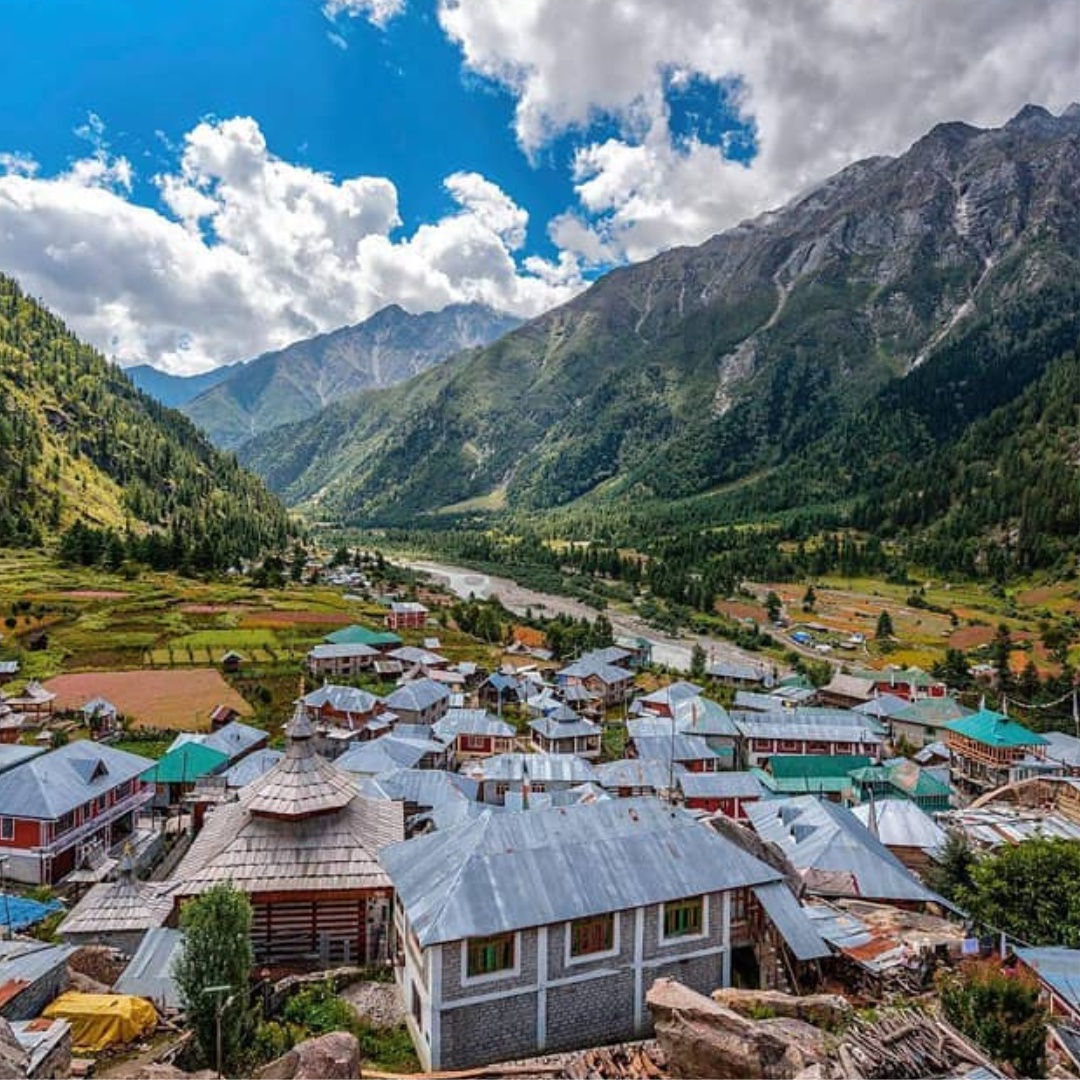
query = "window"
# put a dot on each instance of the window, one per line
(474, 742)
(738, 905)
(488, 955)
(589, 937)
(684, 918)
(7, 828)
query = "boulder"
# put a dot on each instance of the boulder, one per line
(829, 1011)
(700, 1037)
(335, 1056)
(14, 1060)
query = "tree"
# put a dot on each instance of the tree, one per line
(1031, 891)
(1000, 651)
(884, 630)
(1000, 1010)
(216, 951)
(773, 607)
(951, 873)
(698, 660)
(809, 598)
(954, 670)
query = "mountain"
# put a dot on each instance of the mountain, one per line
(176, 390)
(297, 381)
(806, 356)
(81, 448)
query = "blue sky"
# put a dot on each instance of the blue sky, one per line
(192, 183)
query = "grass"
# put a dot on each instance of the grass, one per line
(226, 639)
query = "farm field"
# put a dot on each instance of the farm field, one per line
(169, 700)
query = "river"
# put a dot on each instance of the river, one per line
(672, 652)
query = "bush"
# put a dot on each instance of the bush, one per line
(319, 1009)
(1000, 1010)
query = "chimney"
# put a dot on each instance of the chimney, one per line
(526, 786)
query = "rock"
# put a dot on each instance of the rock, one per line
(829, 1011)
(85, 985)
(329, 1057)
(13, 1058)
(700, 1037)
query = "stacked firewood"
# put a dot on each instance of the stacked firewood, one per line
(635, 1061)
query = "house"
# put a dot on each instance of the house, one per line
(501, 688)
(342, 706)
(909, 683)
(608, 683)
(422, 701)
(381, 640)
(35, 702)
(825, 775)
(473, 733)
(8, 670)
(175, 773)
(406, 615)
(1058, 970)
(639, 651)
(12, 754)
(413, 656)
(525, 776)
(236, 740)
(883, 707)
(630, 777)
(302, 844)
(564, 732)
(923, 721)
(666, 700)
(806, 731)
(341, 661)
(740, 675)
(419, 791)
(250, 768)
(844, 691)
(57, 806)
(835, 854)
(674, 749)
(901, 779)
(1063, 750)
(908, 832)
(549, 927)
(984, 749)
(393, 752)
(32, 975)
(117, 913)
(232, 661)
(101, 717)
(727, 793)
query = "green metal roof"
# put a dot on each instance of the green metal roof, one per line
(995, 729)
(803, 785)
(361, 635)
(187, 763)
(785, 766)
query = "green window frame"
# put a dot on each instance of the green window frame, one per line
(684, 918)
(488, 955)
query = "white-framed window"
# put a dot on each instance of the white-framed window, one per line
(684, 920)
(495, 956)
(592, 938)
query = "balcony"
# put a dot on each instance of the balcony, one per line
(113, 813)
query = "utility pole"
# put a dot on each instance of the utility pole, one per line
(220, 1005)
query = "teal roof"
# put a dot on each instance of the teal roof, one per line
(361, 635)
(784, 766)
(186, 764)
(995, 729)
(803, 785)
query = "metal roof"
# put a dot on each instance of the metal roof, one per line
(387, 753)
(589, 666)
(235, 738)
(931, 711)
(1063, 748)
(551, 727)
(342, 699)
(507, 871)
(12, 754)
(900, 823)
(54, 784)
(185, 764)
(23, 963)
(679, 747)
(1057, 967)
(417, 696)
(471, 722)
(547, 768)
(251, 767)
(833, 851)
(995, 729)
(720, 785)
(816, 725)
(789, 918)
(670, 696)
(424, 787)
(345, 651)
(150, 973)
(637, 772)
(361, 635)
(411, 654)
(883, 706)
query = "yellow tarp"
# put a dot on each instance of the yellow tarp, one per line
(99, 1021)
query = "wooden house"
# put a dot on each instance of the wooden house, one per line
(301, 843)
(562, 731)
(341, 661)
(473, 733)
(985, 747)
(406, 615)
(727, 793)
(609, 683)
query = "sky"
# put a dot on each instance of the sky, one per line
(189, 184)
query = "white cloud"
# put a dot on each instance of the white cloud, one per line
(825, 82)
(378, 12)
(250, 251)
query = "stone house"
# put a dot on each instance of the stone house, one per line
(524, 933)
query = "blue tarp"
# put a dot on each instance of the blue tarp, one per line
(19, 913)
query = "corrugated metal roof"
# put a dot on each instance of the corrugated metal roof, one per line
(150, 973)
(681, 747)
(591, 666)
(344, 651)
(361, 635)
(1063, 748)
(720, 785)
(548, 768)
(342, 699)
(995, 729)
(251, 767)
(424, 787)
(24, 962)
(550, 727)
(900, 823)
(235, 738)
(54, 784)
(471, 722)
(385, 754)
(507, 871)
(883, 706)
(637, 772)
(185, 764)
(1059, 968)
(417, 696)
(834, 852)
(789, 918)
(817, 725)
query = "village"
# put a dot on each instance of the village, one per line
(525, 857)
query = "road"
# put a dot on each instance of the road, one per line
(672, 652)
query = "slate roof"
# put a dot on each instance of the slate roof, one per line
(119, 906)
(995, 729)
(54, 784)
(834, 852)
(417, 696)
(508, 871)
(471, 722)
